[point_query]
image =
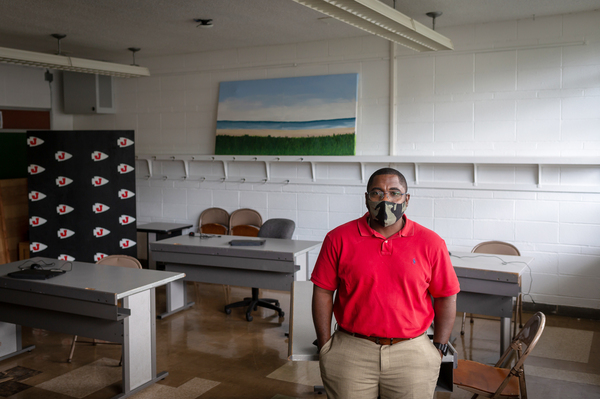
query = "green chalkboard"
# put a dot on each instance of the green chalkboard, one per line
(13, 155)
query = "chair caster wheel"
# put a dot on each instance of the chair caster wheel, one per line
(227, 311)
(249, 317)
(281, 314)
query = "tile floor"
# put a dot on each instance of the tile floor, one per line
(212, 355)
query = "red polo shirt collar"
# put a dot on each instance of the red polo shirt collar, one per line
(365, 230)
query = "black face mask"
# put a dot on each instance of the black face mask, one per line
(386, 213)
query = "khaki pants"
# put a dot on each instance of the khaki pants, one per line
(356, 368)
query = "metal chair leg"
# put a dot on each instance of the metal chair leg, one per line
(462, 326)
(72, 349)
(515, 315)
(520, 299)
(518, 315)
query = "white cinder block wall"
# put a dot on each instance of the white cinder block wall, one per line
(527, 88)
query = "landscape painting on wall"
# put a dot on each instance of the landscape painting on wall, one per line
(312, 115)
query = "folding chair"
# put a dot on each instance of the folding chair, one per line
(500, 381)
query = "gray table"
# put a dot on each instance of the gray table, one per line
(157, 231)
(84, 301)
(488, 286)
(210, 259)
(302, 335)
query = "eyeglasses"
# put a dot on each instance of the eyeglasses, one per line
(377, 195)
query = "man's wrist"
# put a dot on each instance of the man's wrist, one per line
(320, 342)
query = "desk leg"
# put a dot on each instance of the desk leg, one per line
(504, 334)
(139, 346)
(303, 274)
(176, 297)
(10, 340)
(151, 262)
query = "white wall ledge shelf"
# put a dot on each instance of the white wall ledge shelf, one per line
(572, 175)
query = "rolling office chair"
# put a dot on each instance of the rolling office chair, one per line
(214, 221)
(111, 260)
(500, 381)
(272, 228)
(498, 248)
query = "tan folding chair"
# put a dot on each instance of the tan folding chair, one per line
(245, 222)
(500, 381)
(111, 260)
(499, 248)
(213, 221)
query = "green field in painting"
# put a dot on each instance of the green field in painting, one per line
(342, 144)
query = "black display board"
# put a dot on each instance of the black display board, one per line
(82, 202)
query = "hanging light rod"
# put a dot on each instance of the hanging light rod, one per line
(433, 15)
(58, 37)
(63, 63)
(380, 19)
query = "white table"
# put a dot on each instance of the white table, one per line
(211, 259)
(84, 301)
(488, 285)
(157, 231)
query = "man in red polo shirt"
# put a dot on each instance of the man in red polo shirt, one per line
(385, 269)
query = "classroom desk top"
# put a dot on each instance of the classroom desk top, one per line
(506, 268)
(87, 281)
(273, 248)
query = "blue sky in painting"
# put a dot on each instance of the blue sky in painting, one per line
(289, 99)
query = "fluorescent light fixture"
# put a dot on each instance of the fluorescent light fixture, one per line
(379, 19)
(63, 63)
